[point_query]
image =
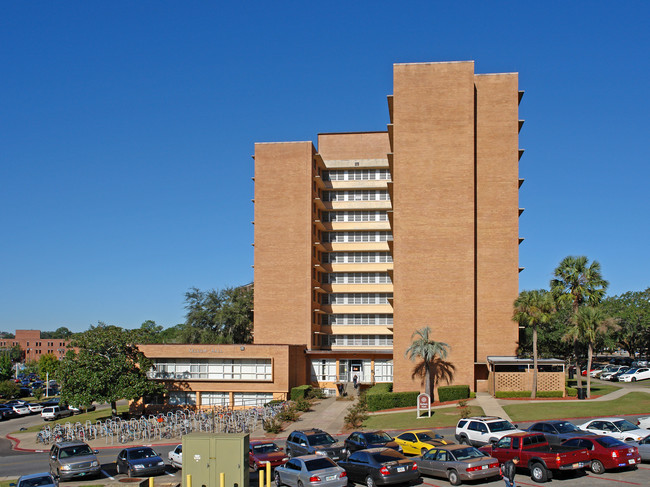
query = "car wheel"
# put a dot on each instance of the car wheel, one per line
(597, 467)
(370, 482)
(278, 482)
(130, 472)
(464, 440)
(300, 484)
(538, 473)
(117, 468)
(454, 478)
(423, 451)
(633, 379)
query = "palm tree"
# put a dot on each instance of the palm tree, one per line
(578, 283)
(534, 309)
(589, 324)
(429, 351)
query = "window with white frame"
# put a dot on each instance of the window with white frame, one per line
(357, 319)
(215, 399)
(358, 340)
(356, 175)
(357, 237)
(357, 257)
(252, 399)
(323, 370)
(357, 278)
(356, 216)
(383, 370)
(356, 298)
(182, 398)
(357, 195)
(212, 369)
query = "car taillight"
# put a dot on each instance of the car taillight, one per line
(343, 475)
(314, 478)
(558, 460)
(614, 454)
(384, 471)
(493, 465)
(415, 466)
(473, 469)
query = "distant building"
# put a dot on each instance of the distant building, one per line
(33, 346)
(373, 235)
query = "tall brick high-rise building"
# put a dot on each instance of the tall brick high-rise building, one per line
(373, 235)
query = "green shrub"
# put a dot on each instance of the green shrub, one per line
(288, 414)
(472, 395)
(452, 393)
(302, 405)
(357, 413)
(300, 392)
(316, 393)
(272, 425)
(465, 411)
(390, 400)
(381, 388)
(571, 391)
(549, 394)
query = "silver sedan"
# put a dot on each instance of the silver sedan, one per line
(458, 463)
(310, 470)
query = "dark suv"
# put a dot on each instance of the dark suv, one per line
(314, 441)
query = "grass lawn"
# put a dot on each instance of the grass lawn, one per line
(443, 417)
(5, 483)
(632, 403)
(598, 388)
(97, 415)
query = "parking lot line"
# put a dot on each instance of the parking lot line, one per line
(615, 480)
(107, 475)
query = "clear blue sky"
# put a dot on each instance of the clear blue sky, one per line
(127, 130)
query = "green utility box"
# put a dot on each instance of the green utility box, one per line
(206, 455)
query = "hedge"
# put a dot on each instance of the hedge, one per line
(507, 394)
(571, 391)
(300, 392)
(381, 388)
(452, 393)
(389, 400)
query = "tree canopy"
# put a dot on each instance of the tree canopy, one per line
(433, 366)
(108, 367)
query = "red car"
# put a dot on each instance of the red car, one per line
(261, 452)
(606, 452)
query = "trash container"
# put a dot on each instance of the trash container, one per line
(582, 393)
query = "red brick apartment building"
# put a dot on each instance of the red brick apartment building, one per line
(370, 236)
(33, 346)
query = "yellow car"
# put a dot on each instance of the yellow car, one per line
(418, 442)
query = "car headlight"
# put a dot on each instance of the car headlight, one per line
(65, 467)
(285, 459)
(94, 463)
(161, 462)
(138, 466)
(321, 453)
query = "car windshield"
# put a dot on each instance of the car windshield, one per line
(625, 425)
(75, 451)
(609, 442)
(265, 448)
(321, 439)
(142, 453)
(378, 437)
(386, 456)
(428, 436)
(631, 371)
(566, 427)
(36, 481)
(467, 453)
(319, 464)
(501, 426)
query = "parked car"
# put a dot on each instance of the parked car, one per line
(644, 448)
(81, 409)
(537, 456)
(7, 413)
(14, 402)
(55, 412)
(380, 466)
(35, 407)
(313, 470)
(458, 463)
(72, 459)
(643, 422)
(610, 371)
(617, 375)
(139, 461)
(44, 479)
(482, 430)
(176, 456)
(556, 431)
(618, 428)
(262, 452)
(21, 410)
(606, 453)
(634, 375)
(361, 440)
(313, 441)
(418, 442)
(598, 369)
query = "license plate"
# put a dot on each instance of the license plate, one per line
(631, 461)
(578, 465)
(401, 469)
(484, 467)
(330, 477)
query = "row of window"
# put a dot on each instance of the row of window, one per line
(356, 298)
(324, 370)
(212, 369)
(356, 257)
(357, 195)
(357, 278)
(343, 237)
(356, 174)
(249, 399)
(357, 319)
(358, 340)
(355, 216)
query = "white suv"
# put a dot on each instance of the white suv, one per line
(483, 430)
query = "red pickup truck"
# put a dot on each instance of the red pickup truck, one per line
(536, 455)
